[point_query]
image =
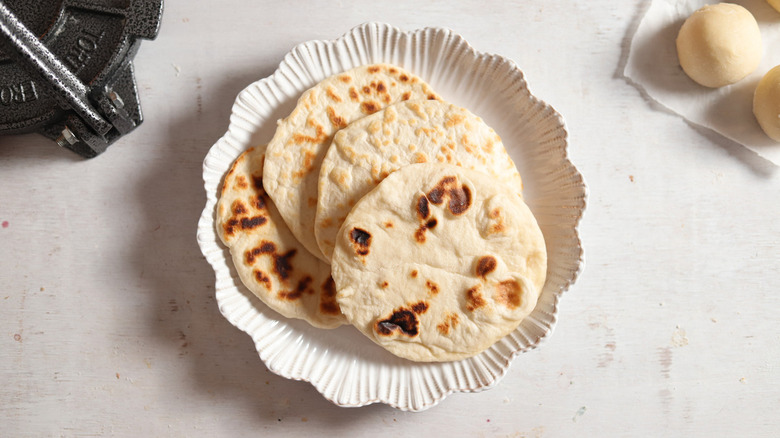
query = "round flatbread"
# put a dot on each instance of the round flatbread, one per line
(438, 262)
(295, 153)
(366, 151)
(269, 260)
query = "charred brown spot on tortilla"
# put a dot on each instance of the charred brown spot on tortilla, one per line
(433, 288)
(384, 285)
(241, 182)
(302, 138)
(308, 165)
(419, 234)
(263, 279)
(235, 222)
(257, 183)
(366, 90)
(345, 78)
(420, 307)
(406, 96)
(459, 197)
(393, 70)
(413, 273)
(422, 208)
(403, 320)
(328, 304)
(248, 223)
(485, 265)
(369, 107)
(335, 119)
(388, 224)
(230, 227)
(436, 195)
(300, 289)
(508, 293)
(373, 69)
(488, 146)
(450, 321)
(304, 283)
(281, 263)
(361, 240)
(386, 99)
(260, 202)
(460, 200)
(380, 87)
(375, 172)
(474, 299)
(497, 226)
(353, 94)
(282, 266)
(454, 119)
(238, 207)
(432, 97)
(332, 95)
(404, 78)
(251, 255)
(320, 137)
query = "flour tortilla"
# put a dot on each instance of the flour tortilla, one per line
(296, 151)
(438, 262)
(268, 258)
(366, 151)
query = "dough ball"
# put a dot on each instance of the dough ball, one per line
(719, 45)
(766, 103)
(775, 4)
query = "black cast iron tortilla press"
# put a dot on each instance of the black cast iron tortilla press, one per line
(66, 68)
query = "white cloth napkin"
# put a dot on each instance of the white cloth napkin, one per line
(653, 66)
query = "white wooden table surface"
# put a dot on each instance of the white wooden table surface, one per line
(108, 322)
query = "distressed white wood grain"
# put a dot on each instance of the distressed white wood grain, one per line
(670, 331)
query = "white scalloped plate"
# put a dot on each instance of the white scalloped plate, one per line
(347, 368)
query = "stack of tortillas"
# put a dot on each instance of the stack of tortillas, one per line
(380, 205)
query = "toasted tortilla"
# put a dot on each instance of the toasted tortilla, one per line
(366, 151)
(296, 151)
(438, 262)
(269, 260)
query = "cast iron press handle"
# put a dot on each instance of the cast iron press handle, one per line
(66, 87)
(100, 114)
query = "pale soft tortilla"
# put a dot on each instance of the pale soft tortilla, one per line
(366, 151)
(438, 262)
(296, 151)
(269, 260)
